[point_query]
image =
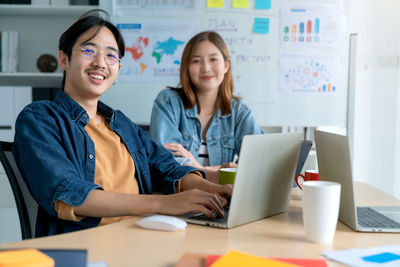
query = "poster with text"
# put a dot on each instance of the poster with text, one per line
(309, 74)
(311, 25)
(153, 7)
(153, 50)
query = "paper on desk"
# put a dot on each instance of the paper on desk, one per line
(97, 264)
(384, 256)
(238, 259)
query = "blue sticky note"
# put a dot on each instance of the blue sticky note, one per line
(382, 257)
(261, 25)
(263, 4)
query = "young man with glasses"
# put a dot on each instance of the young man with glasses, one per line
(87, 164)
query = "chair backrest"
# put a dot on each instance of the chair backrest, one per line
(26, 205)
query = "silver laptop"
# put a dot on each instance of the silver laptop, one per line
(263, 180)
(334, 164)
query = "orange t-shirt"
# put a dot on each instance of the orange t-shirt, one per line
(115, 169)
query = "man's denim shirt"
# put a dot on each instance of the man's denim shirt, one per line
(171, 123)
(57, 158)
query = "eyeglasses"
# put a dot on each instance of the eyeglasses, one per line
(111, 57)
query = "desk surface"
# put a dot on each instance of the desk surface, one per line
(125, 244)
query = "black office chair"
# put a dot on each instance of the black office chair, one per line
(26, 205)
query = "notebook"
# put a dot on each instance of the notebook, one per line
(263, 180)
(334, 164)
(67, 257)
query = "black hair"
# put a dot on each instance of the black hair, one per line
(87, 21)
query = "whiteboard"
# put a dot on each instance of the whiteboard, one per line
(256, 61)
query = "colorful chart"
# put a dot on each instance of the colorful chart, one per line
(310, 25)
(303, 74)
(303, 32)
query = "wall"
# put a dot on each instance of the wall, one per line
(396, 184)
(9, 222)
(256, 77)
(376, 130)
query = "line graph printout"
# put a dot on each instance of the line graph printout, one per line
(309, 74)
(153, 50)
(310, 25)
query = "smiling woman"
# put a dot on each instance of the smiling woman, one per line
(201, 122)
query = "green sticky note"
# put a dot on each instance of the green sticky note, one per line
(240, 4)
(215, 3)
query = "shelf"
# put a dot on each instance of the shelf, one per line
(34, 79)
(38, 10)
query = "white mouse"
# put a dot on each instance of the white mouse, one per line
(162, 222)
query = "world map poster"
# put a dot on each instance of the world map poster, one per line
(153, 50)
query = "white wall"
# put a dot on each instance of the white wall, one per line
(377, 124)
(396, 184)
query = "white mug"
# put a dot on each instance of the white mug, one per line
(321, 201)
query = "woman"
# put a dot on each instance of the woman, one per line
(202, 123)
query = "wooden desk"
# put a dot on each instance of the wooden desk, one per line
(125, 244)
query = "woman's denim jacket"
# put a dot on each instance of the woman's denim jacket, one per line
(57, 158)
(171, 123)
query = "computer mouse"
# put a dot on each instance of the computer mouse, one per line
(162, 222)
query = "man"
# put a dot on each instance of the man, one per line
(87, 164)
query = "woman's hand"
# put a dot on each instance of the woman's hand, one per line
(212, 172)
(228, 165)
(179, 151)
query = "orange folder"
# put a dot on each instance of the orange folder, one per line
(25, 258)
(202, 260)
(238, 259)
(296, 261)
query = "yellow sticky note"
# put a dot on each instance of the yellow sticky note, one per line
(25, 258)
(215, 3)
(238, 259)
(240, 4)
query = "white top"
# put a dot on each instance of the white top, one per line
(203, 154)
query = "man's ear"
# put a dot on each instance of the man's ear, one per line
(62, 60)
(119, 70)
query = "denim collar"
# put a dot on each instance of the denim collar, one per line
(192, 113)
(76, 111)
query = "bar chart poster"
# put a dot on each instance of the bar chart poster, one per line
(309, 74)
(310, 25)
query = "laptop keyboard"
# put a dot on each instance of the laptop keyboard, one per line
(370, 218)
(202, 217)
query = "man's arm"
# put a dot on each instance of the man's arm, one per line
(199, 195)
(49, 170)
